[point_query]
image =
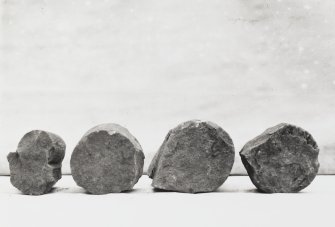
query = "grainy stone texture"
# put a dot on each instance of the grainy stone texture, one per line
(284, 158)
(36, 165)
(196, 156)
(107, 159)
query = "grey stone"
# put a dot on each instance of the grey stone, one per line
(284, 158)
(107, 159)
(196, 156)
(36, 165)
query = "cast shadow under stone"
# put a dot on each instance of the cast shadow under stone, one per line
(219, 190)
(52, 191)
(255, 190)
(58, 190)
(79, 190)
(158, 190)
(251, 190)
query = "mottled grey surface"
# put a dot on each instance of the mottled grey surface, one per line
(36, 165)
(107, 159)
(284, 158)
(196, 156)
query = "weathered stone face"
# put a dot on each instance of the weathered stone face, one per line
(107, 159)
(36, 165)
(196, 156)
(284, 158)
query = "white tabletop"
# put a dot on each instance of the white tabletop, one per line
(236, 203)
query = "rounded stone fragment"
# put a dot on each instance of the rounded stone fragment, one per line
(35, 167)
(107, 159)
(196, 156)
(284, 158)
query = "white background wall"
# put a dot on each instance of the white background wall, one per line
(67, 65)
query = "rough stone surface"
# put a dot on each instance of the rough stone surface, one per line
(36, 165)
(196, 156)
(107, 159)
(284, 158)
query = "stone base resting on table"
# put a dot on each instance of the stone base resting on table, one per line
(36, 165)
(107, 159)
(196, 156)
(284, 158)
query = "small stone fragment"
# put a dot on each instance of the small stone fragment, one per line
(107, 159)
(284, 158)
(196, 156)
(35, 167)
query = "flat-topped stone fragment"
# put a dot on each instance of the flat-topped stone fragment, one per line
(284, 158)
(107, 159)
(35, 167)
(196, 156)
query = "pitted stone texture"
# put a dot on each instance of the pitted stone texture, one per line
(284, 158)
(196, 156)
(36, 165)
(107, 159)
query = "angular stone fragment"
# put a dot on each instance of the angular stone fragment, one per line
(36, 165)
(107, 159)
(196, 156)
(284, 158)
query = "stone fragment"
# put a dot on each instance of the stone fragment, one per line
(196, 156)
(284, 158)
(107, 159)
(35, 167)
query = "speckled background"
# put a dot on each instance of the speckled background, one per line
(67, 65)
